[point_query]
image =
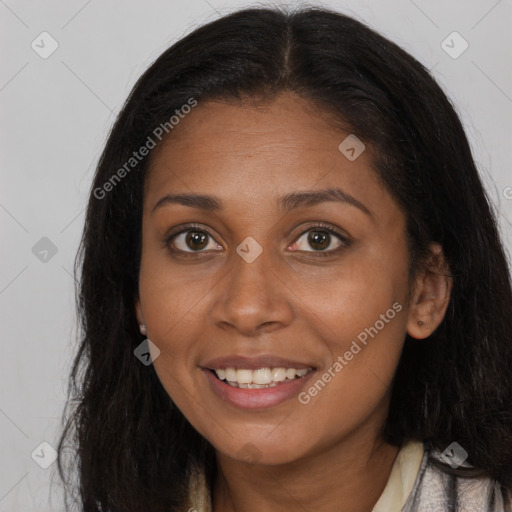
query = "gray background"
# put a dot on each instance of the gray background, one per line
(55, 115)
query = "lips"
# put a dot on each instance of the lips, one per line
(244, 395)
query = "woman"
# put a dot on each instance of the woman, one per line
(293, 292)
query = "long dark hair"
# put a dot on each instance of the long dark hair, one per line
(132, 447)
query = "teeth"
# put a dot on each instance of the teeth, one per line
(278, 374)
(290, 373)
(230, 374)
(244, 376)
(251, 386)
(260, 378)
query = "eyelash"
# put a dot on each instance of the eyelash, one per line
(317, 227)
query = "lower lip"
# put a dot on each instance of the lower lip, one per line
(244, 398)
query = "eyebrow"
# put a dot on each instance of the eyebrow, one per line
(287, 202)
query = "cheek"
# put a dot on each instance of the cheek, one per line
(354, 388)
(170, 297)
(174, 311)
(345, 299)
(361, 315)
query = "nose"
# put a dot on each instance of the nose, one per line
(253, 297)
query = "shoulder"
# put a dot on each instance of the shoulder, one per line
(439, 489)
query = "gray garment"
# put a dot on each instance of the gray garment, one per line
(436, 490)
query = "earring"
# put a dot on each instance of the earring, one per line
(143, 329)
(420, 322)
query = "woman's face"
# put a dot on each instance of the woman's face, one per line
(256, 283)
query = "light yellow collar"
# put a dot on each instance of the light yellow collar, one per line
(400, 483)
(401, 479)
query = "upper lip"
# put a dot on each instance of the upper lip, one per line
(253, 363)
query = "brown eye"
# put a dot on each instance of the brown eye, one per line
(192, 240)
(319, 240)
(323, 240)
(196, 240)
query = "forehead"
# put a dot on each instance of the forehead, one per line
(243, 151)
(216, 126)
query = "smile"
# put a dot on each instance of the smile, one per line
(261, 388)
(260, 378)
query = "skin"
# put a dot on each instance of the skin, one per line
(290, 301)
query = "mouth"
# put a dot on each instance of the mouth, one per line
(257, 388)
(260, 378)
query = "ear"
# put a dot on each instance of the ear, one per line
(431, 295)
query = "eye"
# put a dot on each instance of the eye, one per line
(321, 239)
(192, 240)
(196, 240)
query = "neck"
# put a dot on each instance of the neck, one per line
(352, 473)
